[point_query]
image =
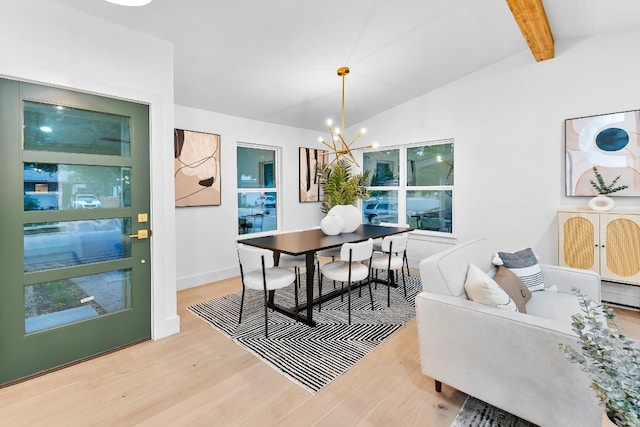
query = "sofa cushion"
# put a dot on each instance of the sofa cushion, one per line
(483, 289)
(554, 305)
(514, 287)
(525, 265)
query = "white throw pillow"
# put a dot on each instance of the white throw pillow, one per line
(483, 289)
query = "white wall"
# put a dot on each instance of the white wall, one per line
(47, 43)
(508, 125)
(206, 235)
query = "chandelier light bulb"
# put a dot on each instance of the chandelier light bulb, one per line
(329, 122)
(363, 131)
(337, 130)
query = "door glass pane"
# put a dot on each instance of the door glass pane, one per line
(63, 244)
(49, 127)
(430, 165)
(430, 210)
(58, 186)
(60, 302)
(381, 207)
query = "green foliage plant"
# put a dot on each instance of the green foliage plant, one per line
(610, 358)
(340, 185)
(602, 188)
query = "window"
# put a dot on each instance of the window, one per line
(257, 189)
(411, 184)
(383, 184)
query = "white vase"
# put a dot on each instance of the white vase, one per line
(601, 203)
(331, 225)
(349, 214)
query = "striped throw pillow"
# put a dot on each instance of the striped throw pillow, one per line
(523, 264)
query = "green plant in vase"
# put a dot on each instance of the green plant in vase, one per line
(340, 185)
(610, 358)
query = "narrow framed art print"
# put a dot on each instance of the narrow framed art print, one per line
(605, 146)
(309, 160)
(196, 168)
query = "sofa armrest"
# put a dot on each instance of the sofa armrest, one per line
(508, 359)
(567, 278)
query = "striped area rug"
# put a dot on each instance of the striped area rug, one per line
(313, 357)
(476, 413)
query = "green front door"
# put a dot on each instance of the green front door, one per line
(74, 208)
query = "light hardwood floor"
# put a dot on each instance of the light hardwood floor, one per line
(200, 378)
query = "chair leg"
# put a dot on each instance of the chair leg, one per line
(390, 282)
(406, 263)
(349, 300)
(438, 386)
(241, 305)
(320, 278)
(266, 322)
(404, 285)
(295, 293)
(370, 292)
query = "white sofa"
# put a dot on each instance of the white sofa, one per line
(508, 359)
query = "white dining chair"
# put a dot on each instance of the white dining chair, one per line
(351, 268)
(257, 272)
(377, 245)
(390, 259)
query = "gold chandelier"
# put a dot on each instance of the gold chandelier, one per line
(339, 145)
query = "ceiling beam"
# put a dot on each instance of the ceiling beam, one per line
(533, 23)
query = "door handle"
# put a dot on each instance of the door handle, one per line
(141, 234)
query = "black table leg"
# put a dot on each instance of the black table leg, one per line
(311, 266)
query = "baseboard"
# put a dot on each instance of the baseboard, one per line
(204, 278)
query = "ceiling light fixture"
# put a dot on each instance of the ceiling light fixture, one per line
(338, 143)
(130, 2)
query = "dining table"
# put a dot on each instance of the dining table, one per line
(308, 242)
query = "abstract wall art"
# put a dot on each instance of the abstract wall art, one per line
(609, 142)
(196, 168)
(310, 158)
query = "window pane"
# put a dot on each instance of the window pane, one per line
(70, 130)
(430, 165)
(256, 168)
(61, 302)
(430, 210)
(57, 186)
(383, 167)
(62, 244)
(381, 207)
(257, 211)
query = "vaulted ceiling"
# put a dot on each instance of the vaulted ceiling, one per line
(276, 60)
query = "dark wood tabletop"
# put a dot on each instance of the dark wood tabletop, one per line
(300, 242)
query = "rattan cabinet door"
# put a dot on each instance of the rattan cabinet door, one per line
(578, 238)
(620, 247)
